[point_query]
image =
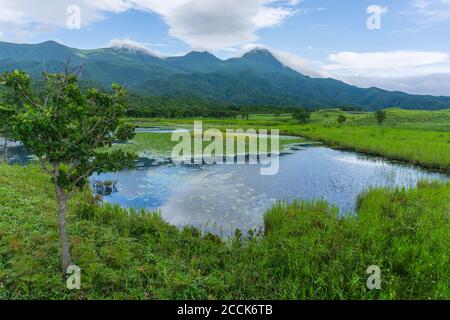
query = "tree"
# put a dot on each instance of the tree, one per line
(301, 115)
(64, 127)
(341, 119)
(381, 116)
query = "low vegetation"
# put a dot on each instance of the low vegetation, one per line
(305, 252)
(64, 126)
(415, 137)
(429, 149)
(159, 145)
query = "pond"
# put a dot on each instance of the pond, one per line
(222, 198)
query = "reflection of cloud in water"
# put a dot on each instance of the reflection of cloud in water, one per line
(221, 198)
(361, 161)
(213, 198)
(159, 130)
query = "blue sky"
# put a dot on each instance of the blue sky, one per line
(322, 38)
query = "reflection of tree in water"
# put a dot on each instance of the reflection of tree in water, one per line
(16, 153)
(104, 188)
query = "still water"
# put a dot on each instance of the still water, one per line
(222, 198)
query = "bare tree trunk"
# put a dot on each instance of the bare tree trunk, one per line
(5, 151)
(62, 210)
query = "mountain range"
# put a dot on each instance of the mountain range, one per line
(256, 78)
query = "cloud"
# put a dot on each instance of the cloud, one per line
(420, 72)
(217, 24)
(131, 45)
(21, 20)
(269, 17)
(390, 59)
(12, 16)
(407, 71)
(430, 84)
(205, 24)
(430, 12)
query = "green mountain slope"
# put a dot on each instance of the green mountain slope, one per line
(257, 78)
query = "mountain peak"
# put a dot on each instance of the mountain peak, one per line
(130, 46)
(201, 55)
(258, 51)
(52, 43)
(262, 55)
(257, 78)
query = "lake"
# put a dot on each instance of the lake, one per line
(222, 198)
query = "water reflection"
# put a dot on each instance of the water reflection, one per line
(159, 130)
(16, 153)
(221, 198)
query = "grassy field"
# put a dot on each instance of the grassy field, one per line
(159, 145)
(416, 137)
(430, 149)
(396, 118)
(306, 251)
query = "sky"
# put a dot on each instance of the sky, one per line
(396, 45)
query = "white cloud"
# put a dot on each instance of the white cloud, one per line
(410, 71)
(269, 17)
(217, 24)
(131, 45)
(431, 84)
(390, 59)
(299, 63)
(208, 24)
(12, 16)
(431, 11)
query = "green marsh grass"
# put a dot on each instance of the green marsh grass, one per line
(160, 144)
(430, 149)
(305, 251)
(415, 137)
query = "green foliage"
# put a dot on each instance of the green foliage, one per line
(381, 116)
(302, 115)
(144, 106)
(341, 119)
(417, 137)
(64, 126)
(10, 105)
(426, 148)
(160, 145)
(306, 252)
(438, 120)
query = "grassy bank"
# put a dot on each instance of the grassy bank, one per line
(307, 252)
(438, 120)
(430, 149)
(415, 137)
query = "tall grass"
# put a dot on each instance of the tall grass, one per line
(429, 149)
(305, 251)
